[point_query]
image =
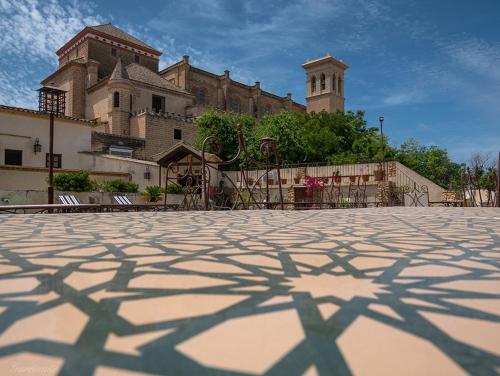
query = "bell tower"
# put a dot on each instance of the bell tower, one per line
(325, 84)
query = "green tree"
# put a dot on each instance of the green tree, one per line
(223, 126)
(431, 162)
(284, 128)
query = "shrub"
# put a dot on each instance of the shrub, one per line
(121, 186)
(175, 189)
(153, 193)
(73, 181)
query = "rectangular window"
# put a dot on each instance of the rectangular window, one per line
(137, 59)
(113, 51)
(13, 157)
(158, 103)
(57, 160)
(177, 134)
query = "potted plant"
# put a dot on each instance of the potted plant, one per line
(153, 193)
(326, 180)
(296, 179)
(250, 181)
(379, 174)
(283, 180)
(270, 181)
(365, 177)
(352, 178)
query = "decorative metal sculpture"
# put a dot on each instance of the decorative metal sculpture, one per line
(252, 189)
(189, 183)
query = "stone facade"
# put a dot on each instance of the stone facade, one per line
(162, 131)
(221, 92)
(325, 84)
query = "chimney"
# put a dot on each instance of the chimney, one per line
(257, 84)
(226, 74)
(185, 58)
(289, 96)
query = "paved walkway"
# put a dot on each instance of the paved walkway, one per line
(391, 291)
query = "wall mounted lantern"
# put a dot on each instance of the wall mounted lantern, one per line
(37, 147)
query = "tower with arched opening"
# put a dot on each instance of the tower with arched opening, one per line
(325, 84)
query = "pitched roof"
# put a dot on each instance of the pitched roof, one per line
(5, 108)
(181, 150)
(140, 73)
(118, 72)
(118, 33)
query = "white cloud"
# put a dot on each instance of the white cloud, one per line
(475, 55)
(36, 29)
(31, 31)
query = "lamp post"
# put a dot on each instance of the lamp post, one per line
(498, 181)
(51, 101)
(382, 151)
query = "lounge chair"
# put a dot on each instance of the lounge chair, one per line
(122, 200)
(69, 200)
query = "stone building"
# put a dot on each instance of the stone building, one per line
(113, 79)
(325, 84)
(221, 92)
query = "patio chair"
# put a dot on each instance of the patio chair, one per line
(69, 200)
(122, 200)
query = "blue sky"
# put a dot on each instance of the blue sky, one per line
(432, 68)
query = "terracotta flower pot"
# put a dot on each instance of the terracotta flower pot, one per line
(379, 175)
(270, 181)
(366, 178)
(352, 179)
(337, 179)
(283, 181)
(296, 180)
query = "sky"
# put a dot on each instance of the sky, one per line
(431, 68)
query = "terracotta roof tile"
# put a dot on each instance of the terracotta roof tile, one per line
(118, 33)
(140, 73)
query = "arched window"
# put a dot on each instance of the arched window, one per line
(313, 84)
(235, 104)
(334, 83)
(116, 99)
(322, 82)
(340, 86)
(201, 96)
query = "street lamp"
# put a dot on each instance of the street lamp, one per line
(382, 151)
(51, 101)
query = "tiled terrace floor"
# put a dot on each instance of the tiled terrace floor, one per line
(368, 292)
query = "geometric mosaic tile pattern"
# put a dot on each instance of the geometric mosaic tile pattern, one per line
(383, 291)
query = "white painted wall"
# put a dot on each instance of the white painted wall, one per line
(18, 130)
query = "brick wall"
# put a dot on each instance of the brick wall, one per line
(160, 131)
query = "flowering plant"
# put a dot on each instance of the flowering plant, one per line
(312, 182)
